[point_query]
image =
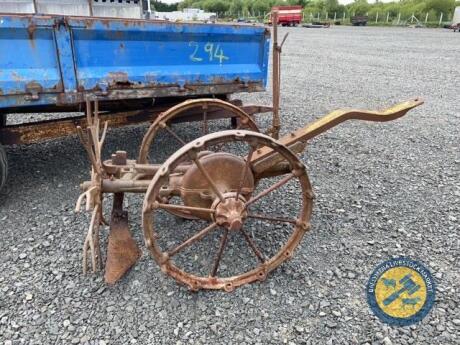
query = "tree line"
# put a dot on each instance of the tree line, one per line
(234, 8)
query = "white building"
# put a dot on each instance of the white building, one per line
(96, 8)
(456, 18)
(188, 14)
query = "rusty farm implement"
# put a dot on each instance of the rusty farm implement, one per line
(221, 183)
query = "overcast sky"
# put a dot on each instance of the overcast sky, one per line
(344, 2)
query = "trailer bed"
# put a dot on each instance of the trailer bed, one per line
(58, 61)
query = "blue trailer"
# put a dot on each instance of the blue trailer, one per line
(61, 61)
(134, 68)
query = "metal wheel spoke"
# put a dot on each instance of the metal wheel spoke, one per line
(244, 173)
(253, 246)
(209, 179)
(186, 209)
(170, 131)
(267, 191)
(198, 236)
(272, 219)
(205, 119)
(223, 243)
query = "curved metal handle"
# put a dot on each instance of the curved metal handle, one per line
(342, 115)
(314, 129)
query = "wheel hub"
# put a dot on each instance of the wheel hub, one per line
(231, 212)
(225, 170)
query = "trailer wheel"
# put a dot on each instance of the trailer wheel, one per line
(3, 167)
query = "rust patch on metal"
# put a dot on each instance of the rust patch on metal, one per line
(133, 90)
(31, 28)
(16, 77)
(34, 86)
(118, 77)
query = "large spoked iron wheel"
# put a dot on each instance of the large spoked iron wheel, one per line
(151, 148)
(242, 229)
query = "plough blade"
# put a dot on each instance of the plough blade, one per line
(122, 251)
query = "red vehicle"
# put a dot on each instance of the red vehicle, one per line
(455, 27)
(288, 15)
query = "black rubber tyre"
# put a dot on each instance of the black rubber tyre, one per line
(3, 167)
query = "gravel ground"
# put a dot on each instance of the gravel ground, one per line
(383, 190)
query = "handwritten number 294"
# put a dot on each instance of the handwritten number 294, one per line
(215, 52)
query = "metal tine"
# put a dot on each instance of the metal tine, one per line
(93, 141)
(93, 150)
(99, 138)
(88, 112)
(89, 242)
(96, 122)
(92, 137)
(88, 148)
(96, 258)
(94, 127)
(97, 146)
(96, 109)
(104, 133)
(86, 194)
(82, 136)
